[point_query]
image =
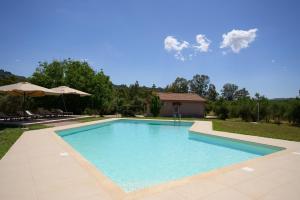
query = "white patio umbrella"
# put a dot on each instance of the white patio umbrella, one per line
(26, 89)
(67, 90)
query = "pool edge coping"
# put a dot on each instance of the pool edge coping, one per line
(116, 192)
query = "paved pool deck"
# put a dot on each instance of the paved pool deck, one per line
(41, 166)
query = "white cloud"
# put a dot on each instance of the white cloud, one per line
(172, 44)
(203, 43)
(183, 50)
(238, 39)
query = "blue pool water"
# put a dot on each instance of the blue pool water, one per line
(137, 153)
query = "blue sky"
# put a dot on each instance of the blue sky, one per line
(127, 40)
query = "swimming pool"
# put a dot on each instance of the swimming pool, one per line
(136, 154)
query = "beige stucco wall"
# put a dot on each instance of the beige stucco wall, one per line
(188, 109)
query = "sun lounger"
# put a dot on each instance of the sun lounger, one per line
(63, 113)
(45, 113)
(3, 116)
(32, 115)
(57, 112)
(6, 117)
(22, 115)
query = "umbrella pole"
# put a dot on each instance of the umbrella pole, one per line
(62, 96)
(24, 102)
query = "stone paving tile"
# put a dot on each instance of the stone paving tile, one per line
(57, 170)
(199, 189)
(281, 176)
(169, 194)
(16, 189)
(15, 172)
(34, 169)
(257, 187)
(235, 177)
(74, 189)
(289, 191)
(229, 194)
(100, 196)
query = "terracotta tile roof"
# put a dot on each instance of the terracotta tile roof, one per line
(168, 96)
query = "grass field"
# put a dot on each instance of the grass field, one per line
(282, 131)
(9, 135)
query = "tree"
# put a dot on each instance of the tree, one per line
(295, 114)
(199, 84)
(134, 90)
(103, 93)
(228, 91)
(221, 109)
(247, 109)
(78, 75)
(264, 108)
(257, 96)
(180, 85)
(50, 74)
(133, 99)
(212, 94)
(293, 111)
(241, 93)
(155, 105)
(234, 109)
(277, 111)
(153, 87)
(137, 98)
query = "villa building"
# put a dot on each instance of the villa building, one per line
(184, 104)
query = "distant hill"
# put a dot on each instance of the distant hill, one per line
(284, 99)
(9, 78)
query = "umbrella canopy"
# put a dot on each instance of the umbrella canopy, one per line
(68, 90)
(26, 89)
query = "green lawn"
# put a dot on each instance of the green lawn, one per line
(282, 131)
(9, 135)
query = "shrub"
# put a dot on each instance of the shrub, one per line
(221, 109)
(155, 105)
(293, 112)
(89, 111)
(10, 104)
(247, 109)
(127, 111)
